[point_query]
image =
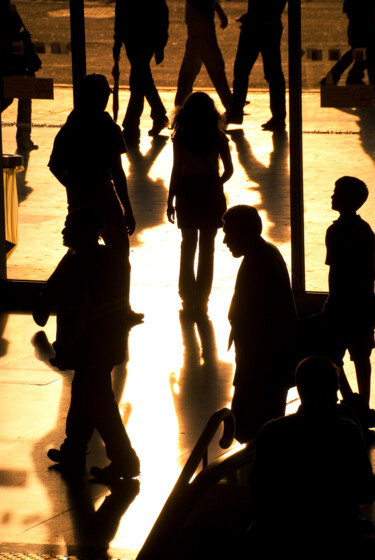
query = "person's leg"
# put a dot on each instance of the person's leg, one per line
(273, 72)
(357, 73)
(158, 111)
(79, 426)
(205, 270)
(108, 422)
(247, 53)
(23, 134)
(213, 60)
(115, 236)
(190, 68)
(363, 373)
(134, 110)
(186, 282)
(334, 75)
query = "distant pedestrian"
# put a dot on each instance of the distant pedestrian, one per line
(86, 159)
(86, 290)
(196, 189)
(361, 30)
(21, 62)
(349, 309)
(261, 31)
(202, 48)
(263, 319)
(142, 26)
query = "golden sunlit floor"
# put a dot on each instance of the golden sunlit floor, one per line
(176, 374)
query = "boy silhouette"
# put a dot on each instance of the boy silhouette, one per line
(87, 291)
(349, 309)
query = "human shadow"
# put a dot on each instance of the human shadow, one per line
(273, 180)
(94, 529)
(148, 196)
(201, 387)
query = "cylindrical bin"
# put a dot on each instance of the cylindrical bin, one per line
(11, 164)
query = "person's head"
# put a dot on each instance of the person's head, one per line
(197, 122)
(317, 381)
(242, 227)
(94, 93)
(82, 227)
(349, 194)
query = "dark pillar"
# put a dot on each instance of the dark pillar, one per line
(296, 156)
(77, 34)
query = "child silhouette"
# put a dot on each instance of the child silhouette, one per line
(349, 309)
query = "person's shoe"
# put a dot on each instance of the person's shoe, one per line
(67, 462)
(158, 126)
(134, 318)
(274, 125)
(114, 472)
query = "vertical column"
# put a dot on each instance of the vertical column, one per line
(295, 143)
(3, 252)
(77, 34)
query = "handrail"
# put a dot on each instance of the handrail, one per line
(186, 493)
(199, 452)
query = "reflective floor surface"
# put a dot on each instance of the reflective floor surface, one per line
(177, 374)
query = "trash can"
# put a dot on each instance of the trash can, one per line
(11, 165)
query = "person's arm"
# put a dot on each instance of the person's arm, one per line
(175, 178)
(161, 27)
(222, 15)
(226, 158)
(121, 186)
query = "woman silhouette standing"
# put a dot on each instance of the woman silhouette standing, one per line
(196, 187)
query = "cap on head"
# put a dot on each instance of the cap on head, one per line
(245, 219)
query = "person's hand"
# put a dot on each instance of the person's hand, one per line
(159, 56)
(129, 223)
(116, 70)
(171, 212)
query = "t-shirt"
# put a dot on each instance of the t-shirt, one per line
(85, 148)
(350, 244)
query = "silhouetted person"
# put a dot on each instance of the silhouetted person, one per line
(314, 468)
(86, 159)
(197, 189)
(361, 29)
(143, 29)
(261, 31)
(349, 309)
(87, 291)
(24, 62)
(202, 48)
(262, 317)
